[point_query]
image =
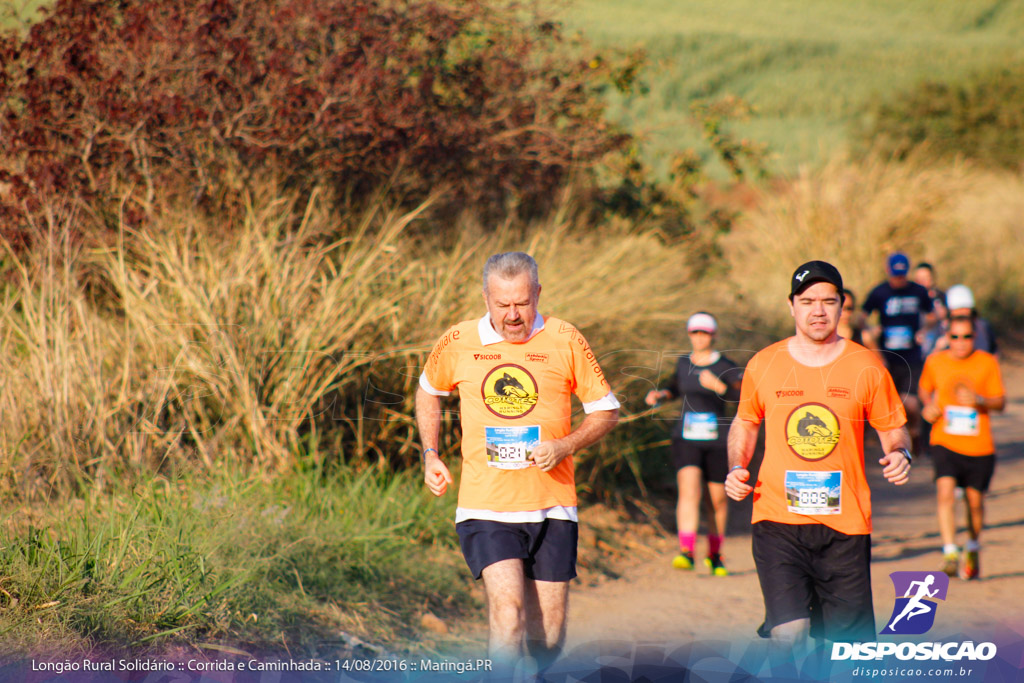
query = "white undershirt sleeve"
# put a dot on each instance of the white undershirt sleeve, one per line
(427, 387)
(607, 402)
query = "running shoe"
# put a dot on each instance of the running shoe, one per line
(971, 568)
(951, 564)
(714, 563)
(683, 560)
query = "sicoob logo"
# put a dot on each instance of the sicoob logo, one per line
(914, 613)
(812, 431)
(509, 391)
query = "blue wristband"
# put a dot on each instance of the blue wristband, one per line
(423, 457)
(736, 467)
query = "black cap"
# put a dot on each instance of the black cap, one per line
(815, 271)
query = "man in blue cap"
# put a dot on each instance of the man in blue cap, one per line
(903, 307)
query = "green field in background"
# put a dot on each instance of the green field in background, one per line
(809, 68)
(18, 12)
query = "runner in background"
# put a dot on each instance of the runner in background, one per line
(515, 372)
(811, 535)
(902, 307)
(924, 275)
(962, 305)
(959, 388)
(706, 382)
(851, 322)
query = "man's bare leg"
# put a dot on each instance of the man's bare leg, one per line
(504, 584)
(788, 646)
(945, 497)
(547, 605)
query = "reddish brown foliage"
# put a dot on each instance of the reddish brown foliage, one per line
(193, 98)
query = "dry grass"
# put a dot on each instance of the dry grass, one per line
(964, 220)
(194, 349)
(250, 362)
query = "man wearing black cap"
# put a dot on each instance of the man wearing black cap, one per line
(902, 306)
(812, 507)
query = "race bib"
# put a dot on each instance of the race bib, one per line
(700, 426)
(899, 338)
(960, 421)
(814, 493)
(508, 447)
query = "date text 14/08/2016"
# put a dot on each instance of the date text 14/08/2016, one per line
(457, 667)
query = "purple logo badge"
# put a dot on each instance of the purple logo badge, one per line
(916, 595)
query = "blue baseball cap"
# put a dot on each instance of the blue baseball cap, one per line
(899, 264)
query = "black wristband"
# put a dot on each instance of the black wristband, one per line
(907, 455)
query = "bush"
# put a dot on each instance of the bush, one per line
(982, 119)
(195, 98)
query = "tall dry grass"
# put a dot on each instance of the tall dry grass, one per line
(966, 221)
(179, 348)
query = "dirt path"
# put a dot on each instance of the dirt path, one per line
(654, 603)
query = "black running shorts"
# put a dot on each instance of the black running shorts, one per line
(810, 571)
(709, 456)
(970, 471)
(547, 549)
(904, 373)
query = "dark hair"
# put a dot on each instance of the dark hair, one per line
(849, 293)
(925, 264)
(963, 319)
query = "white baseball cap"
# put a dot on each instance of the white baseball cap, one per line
(702, 322)
(959, 296)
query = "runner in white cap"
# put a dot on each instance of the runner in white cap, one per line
(707, 382)
(960, 301)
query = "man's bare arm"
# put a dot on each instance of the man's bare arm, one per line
(594, 427)
(896, 467)
(742, 441)
(428, 420)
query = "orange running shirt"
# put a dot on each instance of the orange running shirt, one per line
(813, 468)
(512, 396)
(962, 429)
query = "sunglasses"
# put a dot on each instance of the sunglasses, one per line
(961, 336)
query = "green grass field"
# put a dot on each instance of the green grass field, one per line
(808, 68)
(20, 12)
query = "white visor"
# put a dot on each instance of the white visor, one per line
(701, 322)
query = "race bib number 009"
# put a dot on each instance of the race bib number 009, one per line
(508, 448)
(814, 493)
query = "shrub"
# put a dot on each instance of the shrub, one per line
(195, 98)
(981, 118)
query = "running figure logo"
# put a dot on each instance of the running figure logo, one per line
(914, 613)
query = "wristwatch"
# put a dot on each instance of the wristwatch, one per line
(907, 455)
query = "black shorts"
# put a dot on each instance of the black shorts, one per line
(904, 373)
(810, 571)
(547, 549)
(970, 471)
(710, 456)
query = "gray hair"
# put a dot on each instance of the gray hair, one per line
(511, 264)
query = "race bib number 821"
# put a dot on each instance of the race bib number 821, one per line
(508, 448)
